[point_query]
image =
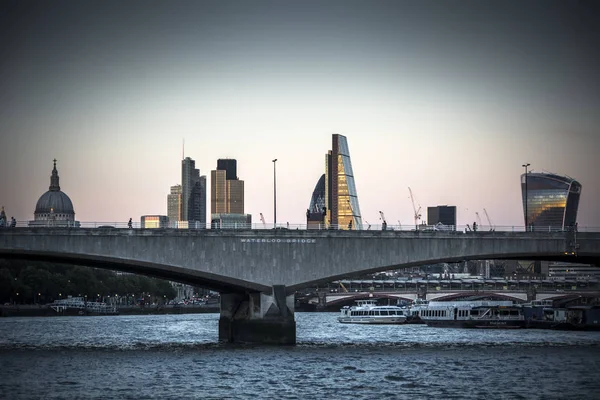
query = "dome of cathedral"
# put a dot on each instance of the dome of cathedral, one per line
(54, 201)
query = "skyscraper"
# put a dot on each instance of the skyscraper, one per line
(229, 165)
(174, 205)
(197, 203)
(341, 198)
(316, 212)
(227, 195)
(551, 200)
(193, 192)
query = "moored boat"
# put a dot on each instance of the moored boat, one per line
(541, 314)
(474, 314)
(368, 312)
(414, 311)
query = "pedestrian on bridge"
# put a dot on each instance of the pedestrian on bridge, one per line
(130, 224)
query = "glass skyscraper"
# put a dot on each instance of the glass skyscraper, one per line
(193, 193)
(341, 198)
(550, 200)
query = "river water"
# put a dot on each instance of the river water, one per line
(179, 357)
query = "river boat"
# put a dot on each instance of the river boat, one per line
(474, 314)
(368, 312)
(414, 311)
(79, 306)
(541, 314)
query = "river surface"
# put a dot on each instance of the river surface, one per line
(179, 357)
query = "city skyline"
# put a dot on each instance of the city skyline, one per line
(449, 99)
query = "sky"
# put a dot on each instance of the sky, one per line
(449, 98)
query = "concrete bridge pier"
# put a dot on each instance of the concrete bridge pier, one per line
(254, 317)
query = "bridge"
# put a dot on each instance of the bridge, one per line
(257, 272)
(325, 300)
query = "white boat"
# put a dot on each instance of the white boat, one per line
(474, 314)
(415, 309)
(368, 312)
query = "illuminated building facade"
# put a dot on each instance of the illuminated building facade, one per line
(341, 199)
(154, 221)
(551, 200)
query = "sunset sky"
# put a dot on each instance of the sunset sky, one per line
(447, 97)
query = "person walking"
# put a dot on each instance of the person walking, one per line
(13, 222)
(130, 224)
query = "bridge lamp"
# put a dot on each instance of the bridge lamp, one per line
(526, 195)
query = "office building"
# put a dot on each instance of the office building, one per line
(445, 215)
(154, 221)
(229, 165)
(197, 204)
(193, 193)
(316, 212)
(341, 198)
(227, 195)
(550, 201)
(174, 206)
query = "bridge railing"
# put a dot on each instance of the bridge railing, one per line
(193, 225)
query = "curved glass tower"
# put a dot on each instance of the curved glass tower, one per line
(317, 201)
(340, 191)
(551, 200)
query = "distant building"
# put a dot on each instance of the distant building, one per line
(445, 215)
(229, 165)
(174, 206)
(227, 195)
(193, 193)
(231, 221)
(341, 198)
(197, 204)
(551, 200)
(563, 270)
(316, 213)
(154, 221)
(54, 208)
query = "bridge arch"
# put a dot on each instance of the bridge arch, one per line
(155, 270)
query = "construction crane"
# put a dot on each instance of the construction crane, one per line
(367, 222)
(489, 220)
(415, 209)
(383, 221)
(263, 220)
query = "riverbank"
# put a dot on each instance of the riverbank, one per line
(46, 311)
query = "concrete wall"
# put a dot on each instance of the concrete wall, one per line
(257, 260)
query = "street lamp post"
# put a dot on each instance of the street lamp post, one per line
(526, 195)
(274, 193)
